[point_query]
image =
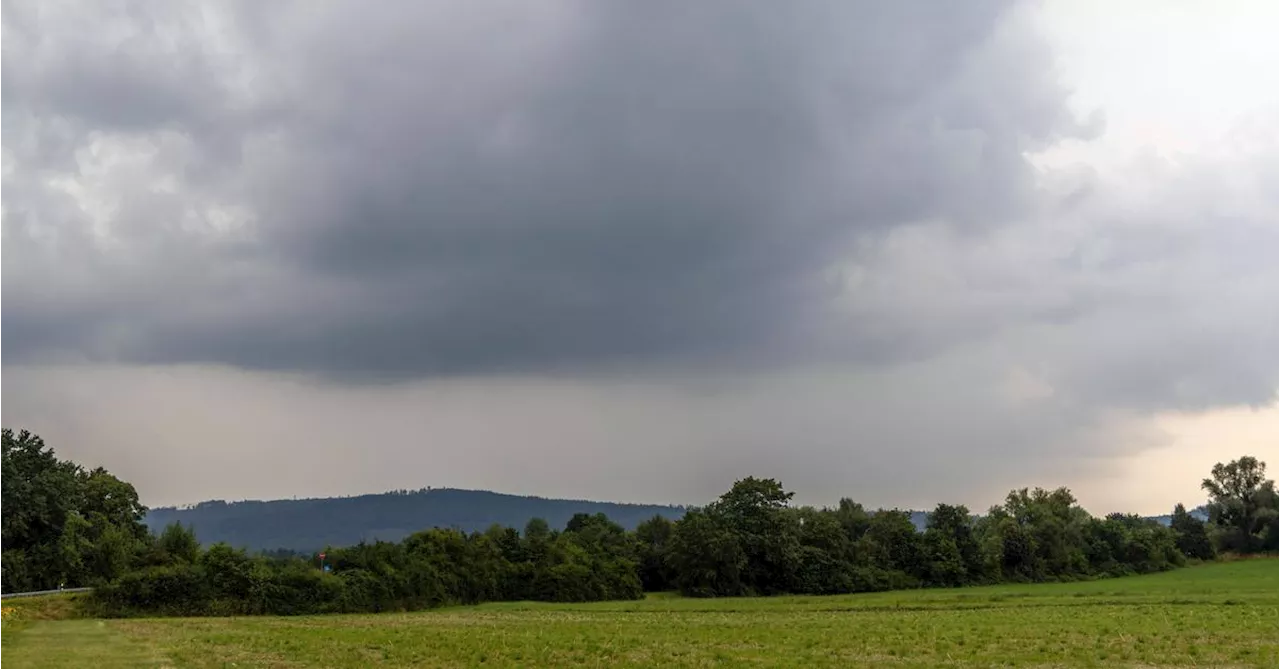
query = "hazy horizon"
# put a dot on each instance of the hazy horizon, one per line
(831, 504)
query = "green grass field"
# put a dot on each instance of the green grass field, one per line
(1219, 615)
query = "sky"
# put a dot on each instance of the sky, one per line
(906, 253)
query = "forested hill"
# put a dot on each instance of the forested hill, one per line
(312, 524)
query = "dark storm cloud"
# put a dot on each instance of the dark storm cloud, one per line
(453, 188)
(751, 238)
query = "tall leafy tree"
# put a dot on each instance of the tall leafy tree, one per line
(955, 555)
(59, 523)
(753, 510)
(1242, 505)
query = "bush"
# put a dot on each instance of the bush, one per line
(174, 590)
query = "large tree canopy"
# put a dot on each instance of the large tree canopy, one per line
(63, 524)
(1242, 506)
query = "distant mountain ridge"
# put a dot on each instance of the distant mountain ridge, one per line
(312, 524)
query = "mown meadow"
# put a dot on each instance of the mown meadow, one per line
(1215, 615)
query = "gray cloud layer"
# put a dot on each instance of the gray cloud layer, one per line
(743, 191)
(469, 187)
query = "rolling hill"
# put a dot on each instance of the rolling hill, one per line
(312, 524)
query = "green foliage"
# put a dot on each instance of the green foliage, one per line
(592, 560)
(754, 513)
(653, 543)
(1243, 506)
(178, 544)
(952, 550)
(64, 521)
(1192, 535)
(706, 556)
(750, 542)
(63, 525)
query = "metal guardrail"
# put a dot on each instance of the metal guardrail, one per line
(15, 595)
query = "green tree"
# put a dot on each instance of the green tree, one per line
(853, 518)
(893, 544)
(1242, 505)
(110, 501)
(1049, 539)
(707, 557)
(37, 497)
(754, 512)
(59, 523)
(952, 551)
(1192, 537)
(653, 542)
(825, 564)
(228, 571)
(178, 544)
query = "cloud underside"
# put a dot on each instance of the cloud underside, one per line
(505, 188)
(454, 190)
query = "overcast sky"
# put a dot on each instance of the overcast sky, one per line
(904, 252)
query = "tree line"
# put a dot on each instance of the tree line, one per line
(64, 525)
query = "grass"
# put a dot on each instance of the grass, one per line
(19, 614)
(1219, 615)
